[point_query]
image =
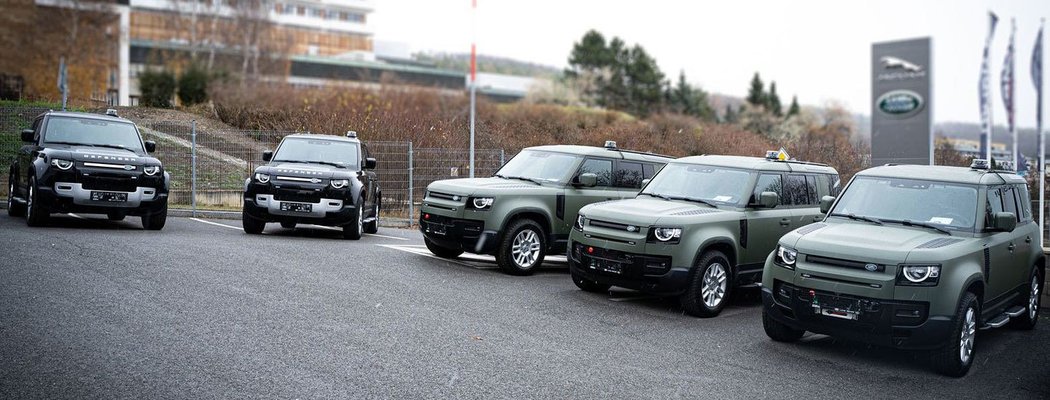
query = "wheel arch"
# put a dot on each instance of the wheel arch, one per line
(539, 215)
(722, 244)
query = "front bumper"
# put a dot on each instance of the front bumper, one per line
(457, 233)
(73, 197)
(328, 212)
(653, 274)
(886, 322)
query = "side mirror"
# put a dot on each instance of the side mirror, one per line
(151, 146)
(267, 155)
(370, 163)
(587, 180)
(27, 135)
(825, 204)
(1004, 222)
(768, 199)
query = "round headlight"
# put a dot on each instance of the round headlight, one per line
(482, 202)
(340, 183)
(917, 273)
(667, 234)
(151, 169)
(580, 220)
(64, 165)
(787, 256)
(262, 178)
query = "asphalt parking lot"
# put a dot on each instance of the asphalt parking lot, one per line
(91, 308)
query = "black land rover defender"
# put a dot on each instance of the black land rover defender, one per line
(314, 179)
(76, 162)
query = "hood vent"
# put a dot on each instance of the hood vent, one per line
(938, 243)
(698, 211)
(810, 228)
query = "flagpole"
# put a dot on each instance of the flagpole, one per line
(1010, 107)
(1037, 78)
(986, 104)
(473, 77)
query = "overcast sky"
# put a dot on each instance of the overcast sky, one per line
(819, 50)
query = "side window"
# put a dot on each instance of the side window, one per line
(628, 175)
(823, 186)
(1010, 201)
(768, 183)
(1024, 203)
(600, 167)
(648, 171)
(36, 129)
(811, 187)
(796, 193)
(995, 203)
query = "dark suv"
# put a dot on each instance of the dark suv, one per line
(87, 163)
(315, 179)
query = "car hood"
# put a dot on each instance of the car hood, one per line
(863, 241)
(646, 211)
(485, 186)
(306, 170)
(102, 155)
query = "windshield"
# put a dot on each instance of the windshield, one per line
(951, 206)
(540, 165)
(92, 132)
(320, 151)
(715, 184)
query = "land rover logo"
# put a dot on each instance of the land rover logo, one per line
(129, 167)
(871, 267)
(900, 103)
(632, 228)
(315, 180)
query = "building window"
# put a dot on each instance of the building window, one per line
(288, 9)
(317, 13)
(300, 10)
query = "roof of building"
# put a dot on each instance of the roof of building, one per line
(943, 174)
(758, 163)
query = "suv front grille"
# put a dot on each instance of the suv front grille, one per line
(611, 225)
(445, 196)
(838, 262)
(106, 183)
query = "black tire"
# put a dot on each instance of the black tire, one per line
(14, 208)
(251, 225)
(588, 285)
(373, 226)
(155, 221)
(1027, 320)
(36, 214)
(713, 266)
(951, 360)
(778, 331)
(354, 229)
(288, 225)
(443, 252)
(115, 216)
(522, 232)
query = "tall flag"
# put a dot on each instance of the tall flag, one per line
(986, 110)
(1037, 79)
(1006, 85)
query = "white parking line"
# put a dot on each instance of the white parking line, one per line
(216, 224)
(385, 236)
(421, 250)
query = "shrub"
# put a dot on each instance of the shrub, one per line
(193, 86)
(157, 88)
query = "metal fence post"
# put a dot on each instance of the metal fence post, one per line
(193, 167)
(411, 211)
(502, 153)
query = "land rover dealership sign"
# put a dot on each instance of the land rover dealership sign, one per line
(901, 124)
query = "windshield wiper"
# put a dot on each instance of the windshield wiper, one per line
(660, 196)
(924, 225)
(337, 165)
(520, 178)
(856, 217)
(694, 199)
(112, 146)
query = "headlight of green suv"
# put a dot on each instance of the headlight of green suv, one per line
(61, 164)
(664, 235)
(151, 170)
(786, 257)
(918, 274)
(481, 203)
(580, 221)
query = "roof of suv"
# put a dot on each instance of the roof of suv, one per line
(943, 174)
(758, 163)
(323, 136)
(74, 114)
(602, 151)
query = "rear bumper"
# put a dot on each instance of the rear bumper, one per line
(327, 212)
(73, 197)
(892, 323)
(652, 274)
(460, 234)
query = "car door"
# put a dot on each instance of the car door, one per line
(24, 160)
(1021, 237)
(999, 273)
(575, 197)
(806, 200)
(763, 227)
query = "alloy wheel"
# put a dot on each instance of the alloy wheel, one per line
(11, 194)
(1033, 299)
(969, 332)
(29, 200)
(526, 248)
(714, 287)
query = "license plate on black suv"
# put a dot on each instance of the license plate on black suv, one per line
(611, 267)
(111, 197)
(297, 207)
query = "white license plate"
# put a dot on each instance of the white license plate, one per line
(839, 313)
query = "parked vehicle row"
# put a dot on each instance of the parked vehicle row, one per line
(910, 257)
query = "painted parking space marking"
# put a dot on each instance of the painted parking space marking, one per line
(216, 224)
(422, 250)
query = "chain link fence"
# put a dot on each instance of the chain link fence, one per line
(208, 167)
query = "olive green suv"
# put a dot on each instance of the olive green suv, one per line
(912, 257)
(701, 227)
(525, 211)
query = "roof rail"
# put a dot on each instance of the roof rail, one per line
(803, 162)
(644, 153)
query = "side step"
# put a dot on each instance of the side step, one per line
(1003, 318)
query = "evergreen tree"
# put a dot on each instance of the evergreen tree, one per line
(773, 100)
(756, 95)
(645, 82)
(730, 116)
(794, 109)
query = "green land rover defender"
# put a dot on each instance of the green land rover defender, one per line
(525, 211)
(912, 257)
(701, 227)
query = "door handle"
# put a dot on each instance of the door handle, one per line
(1028, 239)
(1011, 247)
(785, 222)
